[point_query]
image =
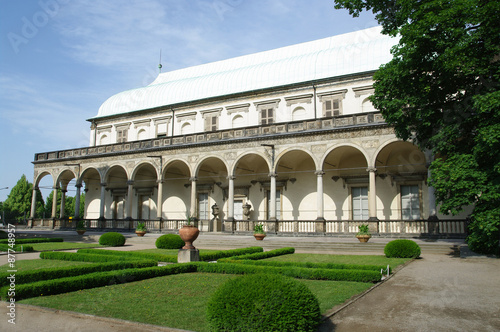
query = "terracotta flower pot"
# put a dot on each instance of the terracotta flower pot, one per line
(188, 234)
(140, 233)
(81, 231)
(363, 238)
(259, 236)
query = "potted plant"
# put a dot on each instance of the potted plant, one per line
(80, 227)
(258, 232)
(141, 229)
(364, 233)
(189, 233)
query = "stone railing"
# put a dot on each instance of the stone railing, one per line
(341, 122)
(392, 228)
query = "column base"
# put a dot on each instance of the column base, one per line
(188, 255)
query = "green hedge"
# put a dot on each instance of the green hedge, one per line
(214, 255)
(17, 248)
(402, 249)
(35, 240)
(112, 239)
(72, 256)
(294, 272)
(308, 265)
(92, 280)
(169, 241)
(262, 255)
(263, 303)
(24, 277)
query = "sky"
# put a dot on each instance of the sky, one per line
(61, 59)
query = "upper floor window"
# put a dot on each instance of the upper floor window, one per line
(121, 135)
(332, 102)
(266, 115)
(211, 122)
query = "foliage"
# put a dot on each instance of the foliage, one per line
(482, 230)
(36, 240)
(263, 303)
(214, 255)
(3, 235)
(112, 239)
(80, 225)
(442, 90)
(83, 257)
(292, 271)
(402, 249)
(309, 265)
(141, 227)
(262, 255)
(91, 280)
(169, 241)
(16, 248)
(17, 206)
(25, 277)
(259, 229)
(363, 230)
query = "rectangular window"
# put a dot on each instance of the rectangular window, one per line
(121, 135)
(211, 123)
(331, 107)
(267, 115)
(203, 210)
(238, 209)
(359, 203)
(410, 202)
(278, 204)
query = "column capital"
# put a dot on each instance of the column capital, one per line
(193, 179)
(103, 184)
(319, 173)
(78, 185)
(371, 169)
(130, 182)
(273, 175)
(64, 190)
(231, 177)
(160, 181)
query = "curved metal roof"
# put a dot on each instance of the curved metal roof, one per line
(350, 53)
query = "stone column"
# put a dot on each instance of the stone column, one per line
(77, 200)
(372, 194)
(192, 213)
(54, 203)
(159, 205)
(319, 195)
(63, 202)
(102, 202)
(230, 199)
(272, 208)
(130, 195)
(33, 207)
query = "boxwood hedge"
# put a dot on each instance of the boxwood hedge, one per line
(73, 256)
(92, 280)
(169, 241)
(16, 248)
(402, 249)
(112, 239)
(266, 254)
(265, 303)
(35, 240)
(23, 277)
(308, 265)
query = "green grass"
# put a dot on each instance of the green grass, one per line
(63, 246)
(341, 259)
(34, 264)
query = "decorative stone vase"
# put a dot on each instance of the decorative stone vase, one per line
(140, 233)
(363, 238)
(188, 234)
(81, 231)
(259, 236)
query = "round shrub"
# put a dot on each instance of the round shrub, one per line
(169, 241)
(402, 249)
(263, 302)
(112, 239)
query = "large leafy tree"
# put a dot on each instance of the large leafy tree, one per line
(441, 90)
(17, 206)
(69, 205)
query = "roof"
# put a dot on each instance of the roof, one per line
(345, 54)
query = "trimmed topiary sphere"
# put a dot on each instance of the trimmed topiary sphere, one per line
(169, 241)
(112, 239)
(263, 302)
(402, 249)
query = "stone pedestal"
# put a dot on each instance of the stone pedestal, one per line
(188, 255)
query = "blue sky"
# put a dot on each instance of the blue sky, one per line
(61, 59)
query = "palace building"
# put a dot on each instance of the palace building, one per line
(286, 137)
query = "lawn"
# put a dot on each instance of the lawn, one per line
(63, 245)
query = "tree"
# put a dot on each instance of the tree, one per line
(441, 90)
(18, 203)
(69, 205)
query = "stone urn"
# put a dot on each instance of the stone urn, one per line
(188, 234)
(140, 233)
(81, 231)
(259, 236)
(363, 238)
